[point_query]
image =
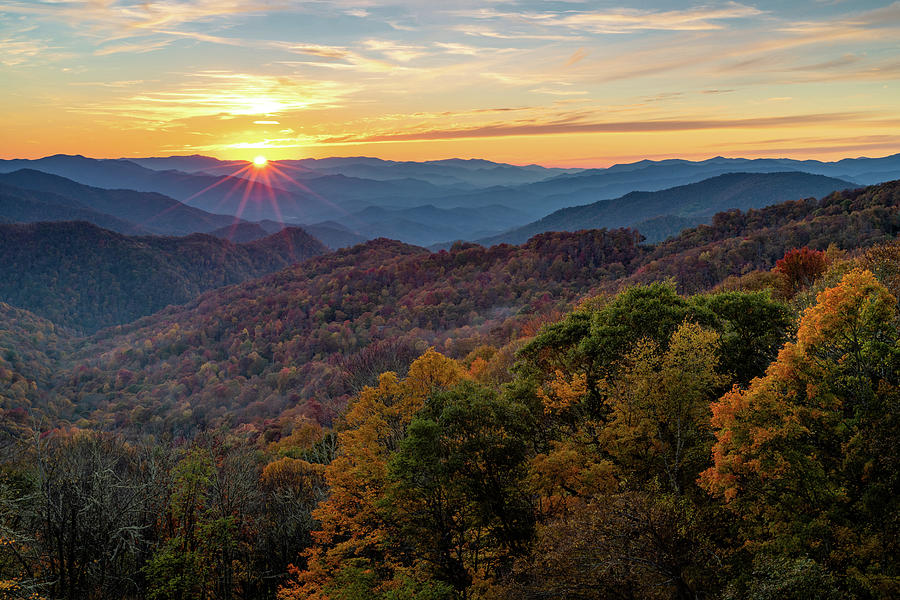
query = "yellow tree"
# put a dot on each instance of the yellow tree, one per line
(660, 407)
(352, 531)
(626, 518)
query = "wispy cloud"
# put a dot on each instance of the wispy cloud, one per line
(626, 20)
(395, 50)
(615, 21)
(507, 34)
(577, 126)
(576, 57)
(340, 57)
(227, 94)
(137, 15)
(19, 50)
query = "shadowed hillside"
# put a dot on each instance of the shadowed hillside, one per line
(80, 275)
(686, 205)
(151, 212)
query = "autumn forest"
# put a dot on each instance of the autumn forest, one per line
(582, 416)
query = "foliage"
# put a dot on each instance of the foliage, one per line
(799, 268)
(84, 277)
(803, 454)
(567, 440)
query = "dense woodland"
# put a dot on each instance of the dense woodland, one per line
(582, 416)
(86, 278)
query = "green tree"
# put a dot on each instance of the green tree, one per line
(457, 491)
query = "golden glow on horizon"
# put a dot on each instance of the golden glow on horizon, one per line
(260, 161)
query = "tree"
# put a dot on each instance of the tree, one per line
(624, 516)
(659, 425)
(799, 268)
(353, 531)
(73, 517)
(456, 492)
(807, 454)
(179, 569)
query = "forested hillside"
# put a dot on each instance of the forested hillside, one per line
(79, 275)
(29, 206)
(294, 340)
(298, 340)
(31, 352)
(149, 212)
(581, 417)
(641, 445)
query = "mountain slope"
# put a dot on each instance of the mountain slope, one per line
(152, 212)
(689, 204)
(301, 340)
(428, 224)
(334, 235)
(29, 206)
(283, 335)
(79, 275)
(240, 233)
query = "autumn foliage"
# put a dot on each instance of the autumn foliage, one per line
(799, 268)
(514, 422)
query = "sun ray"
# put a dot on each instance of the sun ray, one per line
(277, 209)
(225, 178)
(175, 206)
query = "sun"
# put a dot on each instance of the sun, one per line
(260, 161)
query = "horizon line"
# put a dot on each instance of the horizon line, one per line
(725, 156)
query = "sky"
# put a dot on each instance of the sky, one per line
(560, 83)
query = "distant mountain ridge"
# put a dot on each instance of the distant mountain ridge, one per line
(686, 205)
(19, 205)
(147, 212)
(368, 195)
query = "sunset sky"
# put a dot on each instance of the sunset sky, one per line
(563, 83)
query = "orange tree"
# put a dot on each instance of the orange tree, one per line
(807, 455)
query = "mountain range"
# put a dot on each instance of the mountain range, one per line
(371, 197)
(296, 341)
(658, 215)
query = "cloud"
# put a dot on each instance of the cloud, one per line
(625, 20)
(827, 65)
(506, 34)
(611, 21)
(224, 94)
(571, 126)
(456, 48)
(395, 50)
(340, 57)
(138, 15)
(132, 48)
(16, 51)
(577, 56)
